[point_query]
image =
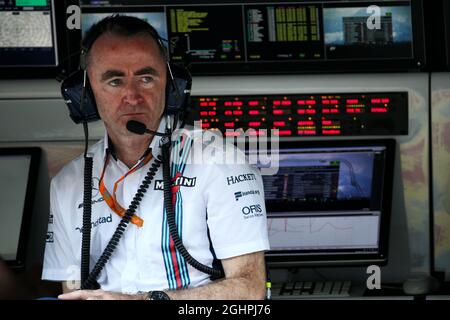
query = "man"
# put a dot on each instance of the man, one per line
(128, 73)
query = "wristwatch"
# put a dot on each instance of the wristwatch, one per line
(158, 295)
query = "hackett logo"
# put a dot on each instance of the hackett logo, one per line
(180, 181)
(240, 178)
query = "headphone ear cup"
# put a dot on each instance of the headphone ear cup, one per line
(178, 89)
(71, 90)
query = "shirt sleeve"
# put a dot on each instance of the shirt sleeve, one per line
(236, 213)
(60, 262)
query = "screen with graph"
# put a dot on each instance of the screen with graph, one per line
(27, 34)
(329, 202)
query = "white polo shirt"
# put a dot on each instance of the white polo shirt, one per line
(219, 210)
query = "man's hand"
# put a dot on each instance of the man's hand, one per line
(100, 295)
(245, 278)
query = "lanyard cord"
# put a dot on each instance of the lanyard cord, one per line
(111, 200)
(91, 281)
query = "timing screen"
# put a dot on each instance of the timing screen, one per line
(274, 32)
(311, 180)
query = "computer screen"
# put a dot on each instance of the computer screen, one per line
(282, 37)
(154, 15)
(27, 34)
(18, 175)
(329, 203)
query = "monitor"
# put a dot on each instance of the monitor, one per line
(267, 37)
(18, 177)
(330, 203)
(154, 15)
(28, 34)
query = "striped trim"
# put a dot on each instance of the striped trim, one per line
(176, 267)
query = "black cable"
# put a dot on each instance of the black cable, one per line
(216, 273)
(86, 228)
(91, 281)
(87, 195)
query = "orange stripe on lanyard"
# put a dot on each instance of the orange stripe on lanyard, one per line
(112, 200)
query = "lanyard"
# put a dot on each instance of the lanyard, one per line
(111, 200)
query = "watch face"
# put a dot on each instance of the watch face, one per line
(159, 295)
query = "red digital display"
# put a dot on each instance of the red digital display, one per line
(331, 132)
(257, 133)
(354, 110)
(307, 114)
(254, 124)
(379, 110)
(306, 132)
(284, 133)
(232, 133)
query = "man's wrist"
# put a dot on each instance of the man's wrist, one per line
(157, 295)
(153, 295)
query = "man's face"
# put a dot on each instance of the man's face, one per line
(128, 78)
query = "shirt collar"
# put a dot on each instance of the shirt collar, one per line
(154, 146)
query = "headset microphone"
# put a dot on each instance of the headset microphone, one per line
(140, 128)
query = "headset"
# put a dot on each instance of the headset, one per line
(178, 84)
(80, 100)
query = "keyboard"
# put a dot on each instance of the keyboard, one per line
(311, 290)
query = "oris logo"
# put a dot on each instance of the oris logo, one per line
(256, 208)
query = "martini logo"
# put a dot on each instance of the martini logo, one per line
(177, 182)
